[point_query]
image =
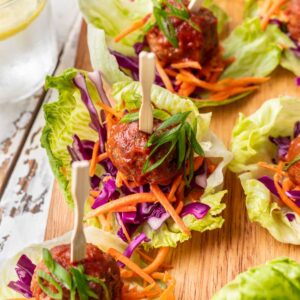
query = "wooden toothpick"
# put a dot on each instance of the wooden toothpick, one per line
(195, 5)
(147, 75)
(80, 192)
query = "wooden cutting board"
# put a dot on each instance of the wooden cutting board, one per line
(208, 261)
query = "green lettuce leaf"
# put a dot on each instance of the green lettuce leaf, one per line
(64, 118)
(250, 136)
(96, 236)
(288, 60)
(68, 116)
(250, 144)
(277, 279)
(256, 52)
(263, 209)
(169, 234)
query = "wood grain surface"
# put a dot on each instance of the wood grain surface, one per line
(209, 260)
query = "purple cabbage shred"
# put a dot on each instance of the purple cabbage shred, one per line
(24, 269)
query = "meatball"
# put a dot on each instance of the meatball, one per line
(293, 12)
(193, 45)
(126, 149)
(294, 170)
(96, 264)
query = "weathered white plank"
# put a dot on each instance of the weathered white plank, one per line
(25, 203)
(16, 118)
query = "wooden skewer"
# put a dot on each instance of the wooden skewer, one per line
(195, 5)
(147, 75)
(80, 192)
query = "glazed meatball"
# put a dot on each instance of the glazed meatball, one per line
(294, 170)
(193, 45)
(126, 149)
(96, 264)
(293, 12)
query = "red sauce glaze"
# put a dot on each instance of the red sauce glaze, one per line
(126, 149)
(293, 13)
(96, 263)
(294, 170)
(193, 45)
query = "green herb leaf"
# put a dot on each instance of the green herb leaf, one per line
(174, 120)
(177, 136)
(102, 284)
(43, 276)
(181, 147)
(165, 25)
(147, 168)
(84, 291)
(177, 12)
(57, 270)
(163, 138)
(291, 163)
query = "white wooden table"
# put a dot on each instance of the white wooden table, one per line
(25, 177)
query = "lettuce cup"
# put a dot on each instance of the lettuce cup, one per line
(164, 185)
(193, 59)
(44, 271)
(277, 279)
(266, 152)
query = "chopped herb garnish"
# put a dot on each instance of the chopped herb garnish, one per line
(43, 276)
(163, 11)
(57, 270)
(179, 135)
(291, 163)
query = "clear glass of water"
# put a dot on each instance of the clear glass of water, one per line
(28, 48)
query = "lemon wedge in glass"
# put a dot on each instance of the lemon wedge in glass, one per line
(16, 15)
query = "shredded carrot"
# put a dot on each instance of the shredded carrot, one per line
(179, 207)
(287, 184)
(94, 193)
(130, 264)
(187, 64)
(94, 159)
(126, 274)
(180, 191)
(186, 89)
(109, 221)
(211, 167)
(271, 11)
(186, 76)
(169, 208)
(132, 28)
(265, 7)
(123, 202)
(103, 221)
(124, 230)
(109, 110)
(168, 293)
(126, 209)
(109, 123)
(158, 261)
(164, 77)
(231, 92)
(275, 169)
(119, 179)
(102, 157)
(175, 186)
(285, 199)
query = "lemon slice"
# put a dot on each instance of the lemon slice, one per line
(16, 15)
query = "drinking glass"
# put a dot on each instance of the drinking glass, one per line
(28, 48)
